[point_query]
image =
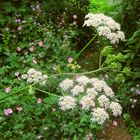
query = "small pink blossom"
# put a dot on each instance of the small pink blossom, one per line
(74, 17)
(89, 136)
(32, 49)
(18, 49)
(106, 76)
(19, 28)
(8, 111)
(40, 43)
(39, 100)
(70, 59)
(115, 123)
(17, 73)
(77, 76)
(19, 108)
(34, 61)
(7, 89)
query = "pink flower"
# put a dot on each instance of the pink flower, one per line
(106, 76)
(77, 76)
(34, 61)
(32, 49)
(74, 17)
(19, 108)
(19, 28)
(7, 89)
(17, 74)
(39, 100)
(115, 123)
(70, 59)
(8, 111)
(18, 49)
(40, 43)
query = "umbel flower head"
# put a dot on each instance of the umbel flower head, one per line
(105, 26)
(89, 94)
(34, 76)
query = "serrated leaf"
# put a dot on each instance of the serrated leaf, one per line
(127, 70)
(106, 50)
(120, 57)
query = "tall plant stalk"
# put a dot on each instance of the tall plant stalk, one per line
(85, 46)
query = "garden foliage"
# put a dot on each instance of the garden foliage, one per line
(44, 93)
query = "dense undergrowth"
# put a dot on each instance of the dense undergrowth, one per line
(40, 38)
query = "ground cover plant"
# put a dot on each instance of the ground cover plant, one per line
(44, 91)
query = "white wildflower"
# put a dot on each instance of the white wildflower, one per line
(113, 37)
(91, 92)
(67, 102)
(113, 25)
(77, 89)
(87, 102)
(108, 91)
(103, 101)
(31, 71)
(98, 86)
(105, 26)
(116, 109)
(44, 77)
(24, 76)
(93, 80)
(121, 35)
(83, 80)
(66, 84)
(103, 30)
(34, 76)
(30, 80)
(99, 115)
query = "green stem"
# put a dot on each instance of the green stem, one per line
(85, 46)
(83, 73)
(100, 60)
(47, 92)
(1, 99)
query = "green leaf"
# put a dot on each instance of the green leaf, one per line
(106, 50)
(120, 78)
(126, 117)
(51, 100)
(127, 70)
(31, 90)
(120, 57)
(75, 137)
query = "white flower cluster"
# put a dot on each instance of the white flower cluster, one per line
(99, 115)
(116, 108)
(87, 102)
(94, 94)
(90, 94)
(105, 26)
(67, 102)
(83, 80)
(34, 76)
(104, 101)
(77, 89)
(66, 84)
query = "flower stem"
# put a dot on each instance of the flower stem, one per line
(85, 46)
(52, 76)
(100, 60)
(47, 92)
